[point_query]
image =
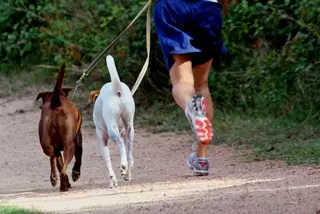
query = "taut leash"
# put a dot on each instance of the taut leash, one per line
(87, 71)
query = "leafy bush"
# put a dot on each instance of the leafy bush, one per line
(276, 58)
(19, 30)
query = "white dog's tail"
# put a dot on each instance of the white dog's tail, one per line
(114, 75)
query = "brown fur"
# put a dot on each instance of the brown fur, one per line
(93, 96)
(60, 130)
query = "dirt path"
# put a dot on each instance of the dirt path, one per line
(161, 181)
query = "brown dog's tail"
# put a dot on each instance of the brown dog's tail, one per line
(55, 100)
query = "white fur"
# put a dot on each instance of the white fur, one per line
(113, 118)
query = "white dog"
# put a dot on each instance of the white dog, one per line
(113, 115)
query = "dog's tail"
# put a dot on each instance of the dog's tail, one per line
(114, 75)
(55, 100)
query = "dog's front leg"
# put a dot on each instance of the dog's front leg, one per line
(103, 145)
(68, 152)
(123, 157)
(106, 154)
(129, 144)
(115, 136)
(53, 176)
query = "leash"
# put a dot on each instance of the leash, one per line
(148, 43)
(87, 71)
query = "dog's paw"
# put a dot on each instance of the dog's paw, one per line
(113, 182)
(127, 177)
(64, 189)
(75, 175)
(111, 185)
(67, 182)
(53, 180)
(123, 170)
(64, 183)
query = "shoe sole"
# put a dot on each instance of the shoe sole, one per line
(196, 171)
(203, 129)
(201, 125)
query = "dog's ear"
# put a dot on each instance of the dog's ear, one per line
(43, 95)
(93, 96)
(66, 91)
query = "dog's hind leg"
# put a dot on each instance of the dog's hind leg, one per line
(49, 150)
(78, 155)
(55, 162)
(129, 145)
(103, 145)
(110, 113)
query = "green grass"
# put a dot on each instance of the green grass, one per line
(264, 138)
(8, 209)
(269, 138)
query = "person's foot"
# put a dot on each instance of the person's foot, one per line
(200, 166)
(196, 113)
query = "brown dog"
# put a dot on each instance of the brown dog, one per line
(60, 130)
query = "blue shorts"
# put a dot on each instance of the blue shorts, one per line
(190, 27)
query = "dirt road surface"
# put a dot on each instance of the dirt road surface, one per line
(161, 181)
